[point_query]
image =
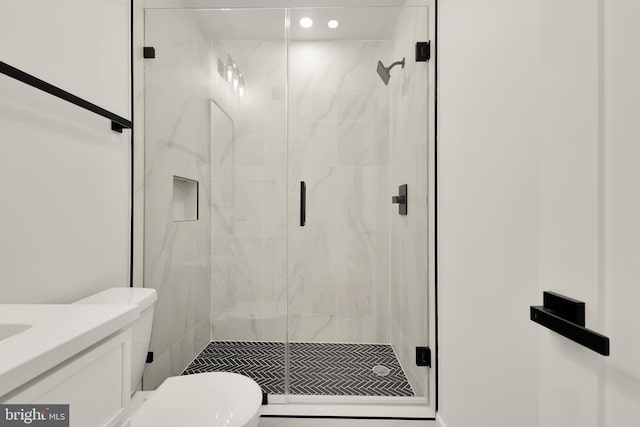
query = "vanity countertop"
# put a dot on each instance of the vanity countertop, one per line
(57, 333)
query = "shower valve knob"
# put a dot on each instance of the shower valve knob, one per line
(401, 199)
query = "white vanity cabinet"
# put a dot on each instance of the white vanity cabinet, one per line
(78, 355)
(95, 384)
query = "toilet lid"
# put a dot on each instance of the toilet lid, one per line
(208, 399)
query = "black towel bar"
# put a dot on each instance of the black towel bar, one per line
(565, 316)
(117, 123)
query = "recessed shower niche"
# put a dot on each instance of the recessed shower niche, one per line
(185, 199)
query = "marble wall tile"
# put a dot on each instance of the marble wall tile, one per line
(249, 234)
(338, 145)
(312, 328)
(237, 274)
(359, 143)
(275, 328)
(173, 361)
(275, 200)
(237, 326)
(221, 157)
(313, 144)
(248, 201)
(158, 371)
(355, 298)
(339, 111)
(261, 113)
(275, 274)
(363, 131)
(259, 323)
(360, 329)
(201, 335)
(177, 266)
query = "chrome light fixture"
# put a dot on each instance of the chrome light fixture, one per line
(234, 76)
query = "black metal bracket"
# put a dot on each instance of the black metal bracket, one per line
(566, 317)
(117, 123)
(149, 52)
(423, 356)
(568, 308)
(423, 51)
(149, 357)
(401, 199)
(116, 127)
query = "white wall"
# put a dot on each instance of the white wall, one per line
(487, 235)
(64, 175)
(619, 383)
(537, 191)
(80, 46)
(569, 251)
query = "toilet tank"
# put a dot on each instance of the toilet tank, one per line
(140, 329)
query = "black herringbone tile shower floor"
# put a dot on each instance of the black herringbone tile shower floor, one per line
(316, 368)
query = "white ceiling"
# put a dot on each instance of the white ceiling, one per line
(356, 23)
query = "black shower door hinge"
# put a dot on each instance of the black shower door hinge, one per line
(423, 356)
(423, 51)
(149, 52)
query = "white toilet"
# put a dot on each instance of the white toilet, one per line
(199, 400)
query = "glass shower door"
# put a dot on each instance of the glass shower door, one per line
(357, 270)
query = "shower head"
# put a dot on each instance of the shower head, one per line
(384, 72)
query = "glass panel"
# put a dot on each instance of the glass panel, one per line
(215, 113)
(265, 114)
(409, 164)
(358, 271)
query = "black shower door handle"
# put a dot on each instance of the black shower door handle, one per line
(303, 203)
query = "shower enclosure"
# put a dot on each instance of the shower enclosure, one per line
(272, 153)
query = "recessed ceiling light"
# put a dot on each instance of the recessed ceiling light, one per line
(306, 22)
(333, 24)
